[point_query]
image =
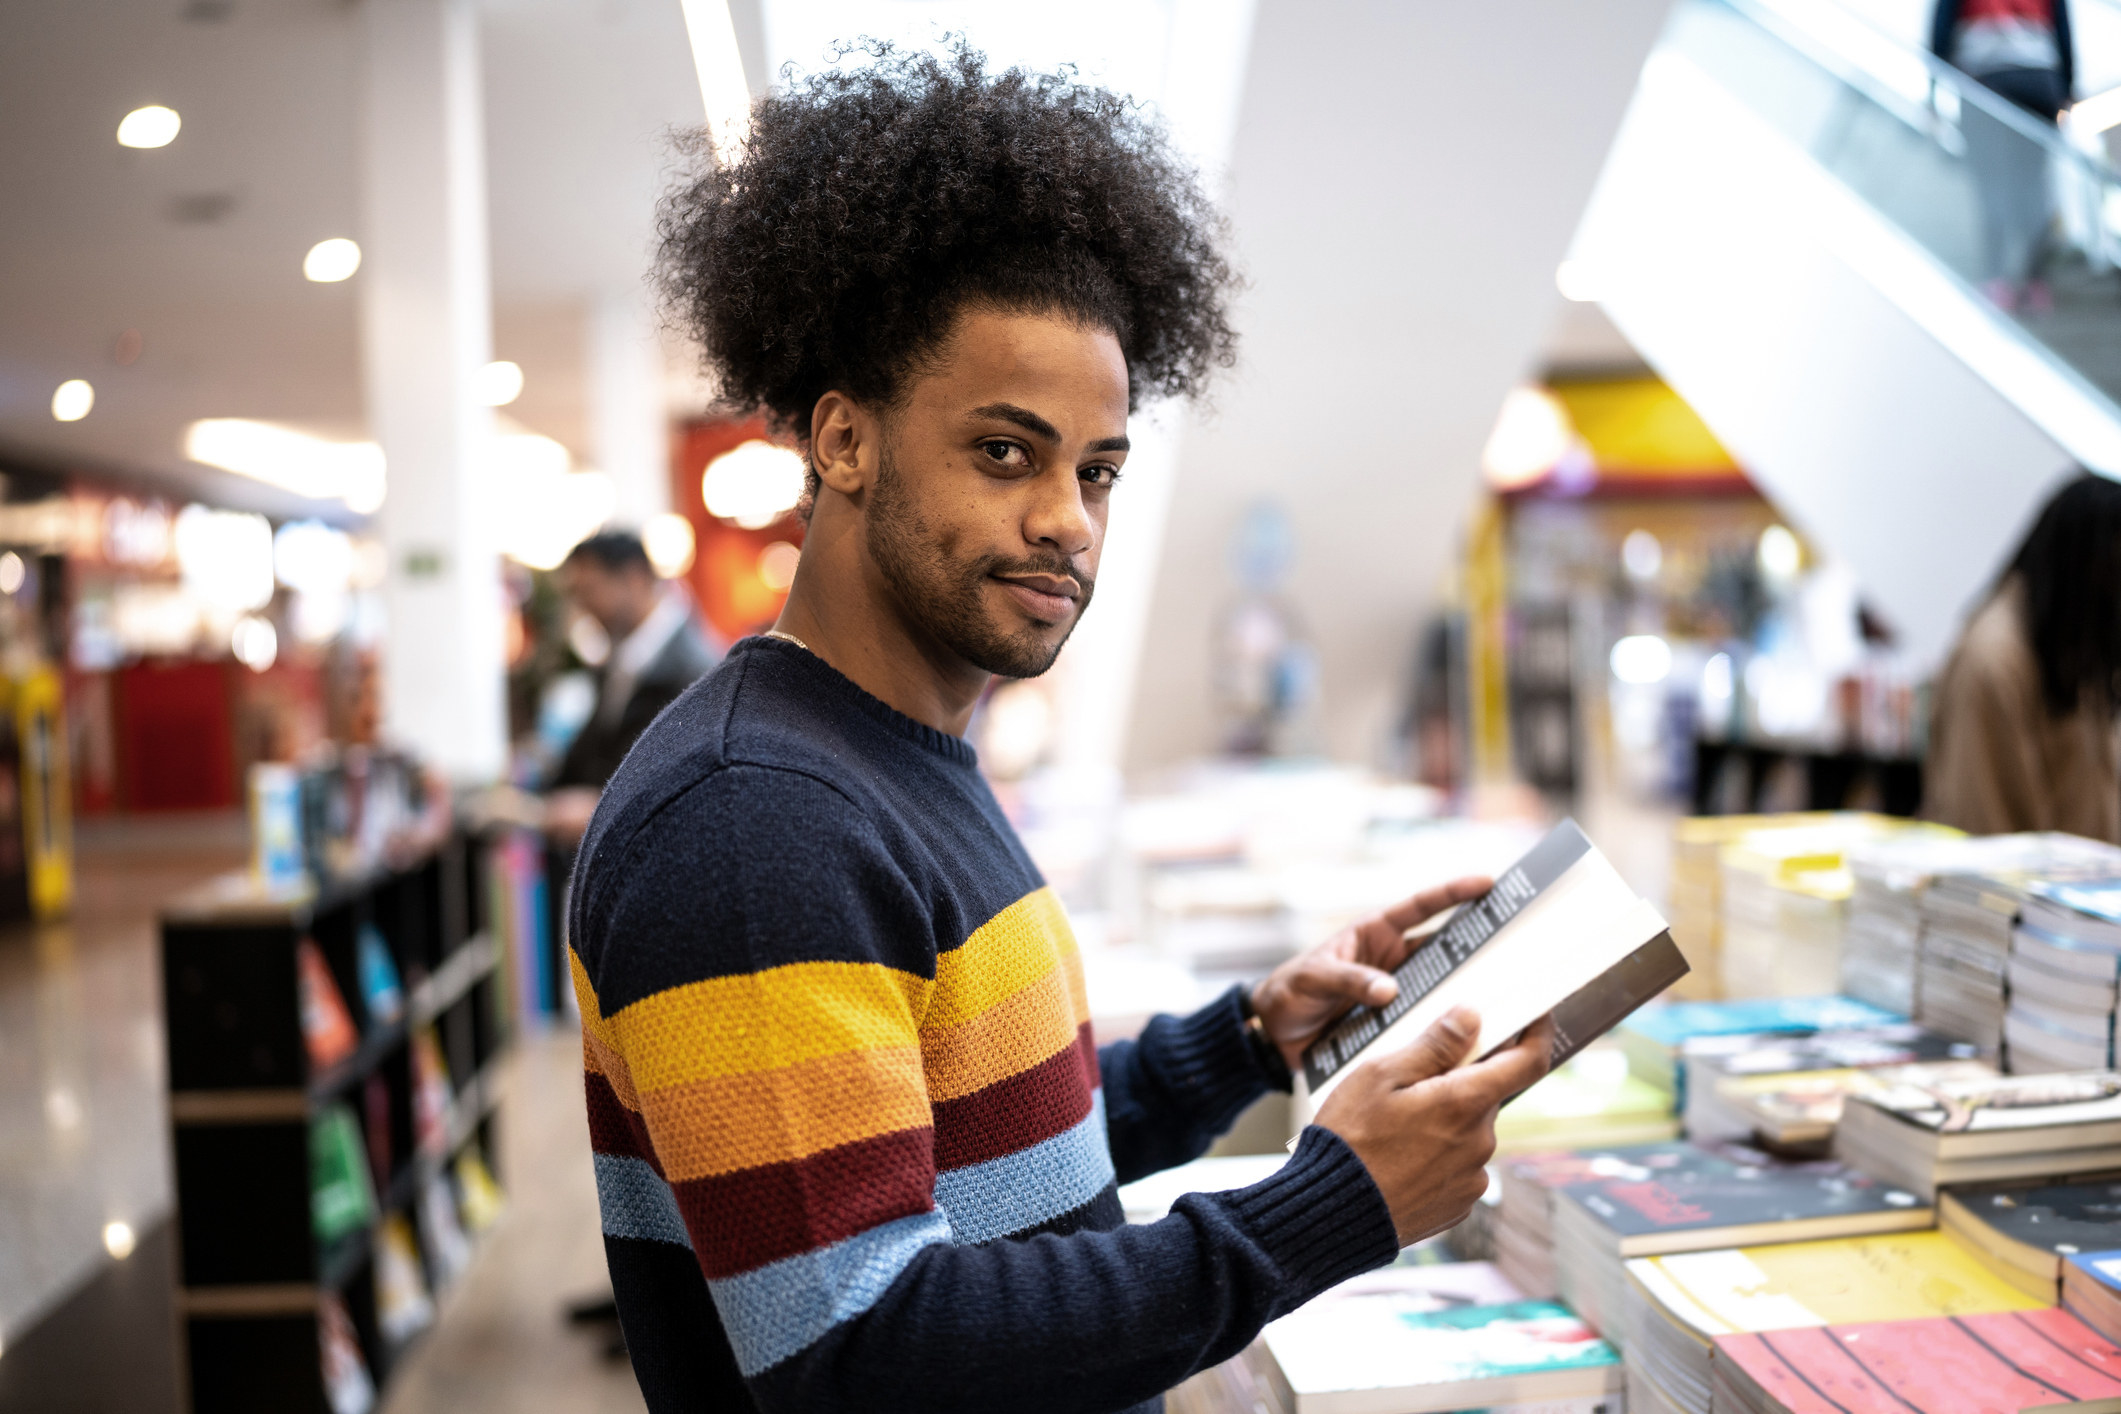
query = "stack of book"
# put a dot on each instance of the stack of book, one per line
(2091, 1290)
(1697, 891)
(1592, 1100)
(1524, 1227)
(1657, 1037)
(1692, 1200)
(1678, 1306)
(1883, 939)
(1729, 1079)
(2038, 1361)
(1785, 904)
(1984, 1131)
(1423, 1340)
(1968, 915)
(1796, 1114)
(2026, 1232)
(2064, 978)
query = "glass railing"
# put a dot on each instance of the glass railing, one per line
(2026, 219)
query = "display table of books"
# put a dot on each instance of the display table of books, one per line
(1863, 1212)
(333, 1088)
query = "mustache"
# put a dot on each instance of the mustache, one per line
(1059, 566)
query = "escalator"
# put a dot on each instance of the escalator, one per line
(1790, 227)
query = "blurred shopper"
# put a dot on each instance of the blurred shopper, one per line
(855, 1146)
(2021, 51)
(2022, 725)
(657, 651)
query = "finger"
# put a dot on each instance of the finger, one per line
(1338, 980)
(1436, 1051)
(1430, 902)
(1512, 1070)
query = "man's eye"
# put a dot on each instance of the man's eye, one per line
(1006, 453)
(1100, 475)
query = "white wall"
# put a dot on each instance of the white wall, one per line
(1404, 181)
(1806, 332)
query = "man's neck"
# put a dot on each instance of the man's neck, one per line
(843, 611)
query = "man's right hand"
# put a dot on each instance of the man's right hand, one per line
(1424, 1126)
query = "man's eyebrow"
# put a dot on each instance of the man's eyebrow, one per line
(1030, 421)
(1038, 426)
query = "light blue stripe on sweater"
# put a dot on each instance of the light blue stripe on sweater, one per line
(636, 1203)
(1031, 1186)
(777, 1310)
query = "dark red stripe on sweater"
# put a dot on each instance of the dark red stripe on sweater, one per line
(744, 1220)
(614, 1129)
(1086, 1044)
(1027, 1108)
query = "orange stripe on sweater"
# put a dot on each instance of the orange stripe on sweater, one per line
(1013, 1036)
(722, 1124)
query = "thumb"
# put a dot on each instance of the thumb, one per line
(1437, 1051)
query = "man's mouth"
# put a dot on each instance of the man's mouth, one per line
(1048, 598)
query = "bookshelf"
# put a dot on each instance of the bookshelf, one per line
(253, 1281)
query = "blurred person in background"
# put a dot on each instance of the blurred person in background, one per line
(657, 651)
(2022, 718)
(856, 1147)
(2022, 51)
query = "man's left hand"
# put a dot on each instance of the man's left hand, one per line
(1302, 997)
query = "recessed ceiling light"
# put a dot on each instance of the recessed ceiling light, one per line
(152, 126)
(72, 399)
(499, 383)
(329, 262)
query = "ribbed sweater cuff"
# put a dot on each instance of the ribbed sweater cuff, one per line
(1207, 1058)
(1321, 1217)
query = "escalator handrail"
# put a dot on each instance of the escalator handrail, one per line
(1776, 18)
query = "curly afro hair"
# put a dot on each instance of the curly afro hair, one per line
(869, 205)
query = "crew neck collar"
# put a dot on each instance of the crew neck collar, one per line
(832, 681)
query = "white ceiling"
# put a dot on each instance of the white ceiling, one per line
(198, 245)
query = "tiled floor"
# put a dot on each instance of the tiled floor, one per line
(83, 1138)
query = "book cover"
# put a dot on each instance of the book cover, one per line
(1706, 1192)
(1673, 1023)
(1558, 919)
(348, 1387)
(381, 993)
(1804, 1107)
(2037, 1225)
(403, 1307)
(442, 1232)
(478, 1196)
(1966, 1109)
(1465, 1357)
(1985, 1364)
(342, 1198)
(431, 1096)
(327, 1027)
(1866, 1049)
(1897, 1276)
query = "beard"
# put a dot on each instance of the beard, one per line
(945, 595)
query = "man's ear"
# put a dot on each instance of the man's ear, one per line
(844, 441)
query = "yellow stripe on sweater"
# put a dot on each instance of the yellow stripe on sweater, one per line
(767, 1020)
(1014, 949)
(1011, 1036)
(722, 1123)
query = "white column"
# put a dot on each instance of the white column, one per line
(628, 423)
(426, 329)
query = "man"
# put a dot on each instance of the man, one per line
(854, 1146)
(657, 651)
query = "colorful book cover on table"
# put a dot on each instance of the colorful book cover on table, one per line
(1896, 1277)
(1993, 1364)
(1704, 1190)
(1348, 1349)
(1673, 1023)
(2062, 1218)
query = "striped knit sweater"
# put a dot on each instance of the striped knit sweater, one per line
(854, 1145)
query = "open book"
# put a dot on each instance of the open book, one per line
(1560, 932)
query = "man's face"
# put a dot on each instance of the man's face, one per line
(617, 599)
(988, 512)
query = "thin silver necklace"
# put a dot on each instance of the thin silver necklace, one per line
(790, 638)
